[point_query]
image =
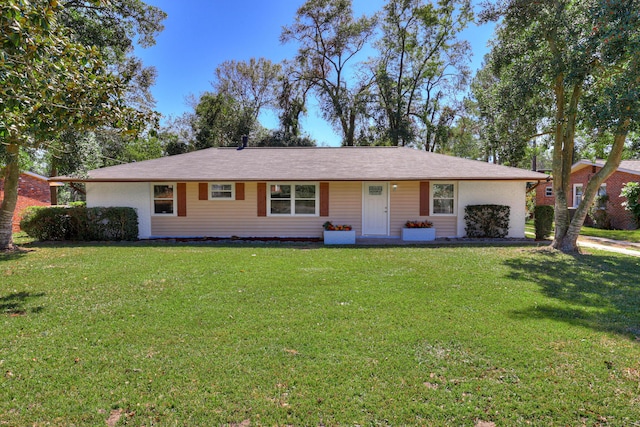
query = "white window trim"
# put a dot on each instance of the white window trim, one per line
(175, 199)
(293, 184)
(575, 187)
(455, 198)
(233, 190)
(548, 191)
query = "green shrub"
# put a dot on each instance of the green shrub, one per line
(543, 221)
(487, 220)
(631, 192)
(46, 223)
(80, 223)
(599, 214)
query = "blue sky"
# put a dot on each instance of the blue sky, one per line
(200, 34)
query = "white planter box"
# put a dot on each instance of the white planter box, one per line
(418, 234)
(341, 237)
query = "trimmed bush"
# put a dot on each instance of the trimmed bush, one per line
(487, 220)
(80, 223)
(543, 221)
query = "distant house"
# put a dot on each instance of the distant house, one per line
(581, 172)
(291, 192)
(33, 190)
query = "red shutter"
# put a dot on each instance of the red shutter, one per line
(203, 191)
(182, 199)
(239, 190)
(324, 199)
(262, 199)
(424, 198)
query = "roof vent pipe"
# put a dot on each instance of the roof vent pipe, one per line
(242, 146)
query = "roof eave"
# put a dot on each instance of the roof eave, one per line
(289, 179)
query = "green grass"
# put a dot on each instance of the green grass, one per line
(625, 235)
(170, 335)
(622, 235)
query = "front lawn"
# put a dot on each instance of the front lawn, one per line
(144, 334)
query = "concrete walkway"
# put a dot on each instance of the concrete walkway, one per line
(627, 248)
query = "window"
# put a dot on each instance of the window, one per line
(222, 191)
(443, 199)
(164, 199)
(293, 199)
(577, 194)
(548, 191)
(602, 198)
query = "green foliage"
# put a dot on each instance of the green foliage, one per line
(490, 221)
(598, 212)
(49, 82)
(631, 192)
(543, 221)
(284, 139)
(220, 121)
(505, 128)
(623, 235)
(79, 223)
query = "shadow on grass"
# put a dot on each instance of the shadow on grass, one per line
(12, 255)
(16, 303)
(595, 291)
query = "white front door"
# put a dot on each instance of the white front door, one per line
(375, 208)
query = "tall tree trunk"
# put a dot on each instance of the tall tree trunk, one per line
(8, 207)
(568, 242)
(561, 212)
(563, 160)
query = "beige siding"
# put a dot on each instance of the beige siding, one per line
(215, 218)
(405, 206)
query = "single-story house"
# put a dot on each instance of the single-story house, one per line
(33, 190)
(581, 173)
(291, 192)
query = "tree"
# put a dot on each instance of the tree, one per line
(112, 27)
(49, 83)
(506, 124)
(291, 100)
(421, 62)
(584, 58)
(279, 138)
(221, 121)
(251, 84)
(329, 38)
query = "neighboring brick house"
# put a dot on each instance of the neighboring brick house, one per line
(581, 172)
(33, 190)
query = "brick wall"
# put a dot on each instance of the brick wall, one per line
(620, 218)
(32, 191)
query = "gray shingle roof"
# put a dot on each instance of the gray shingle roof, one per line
(308, 164)
(629, 166)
